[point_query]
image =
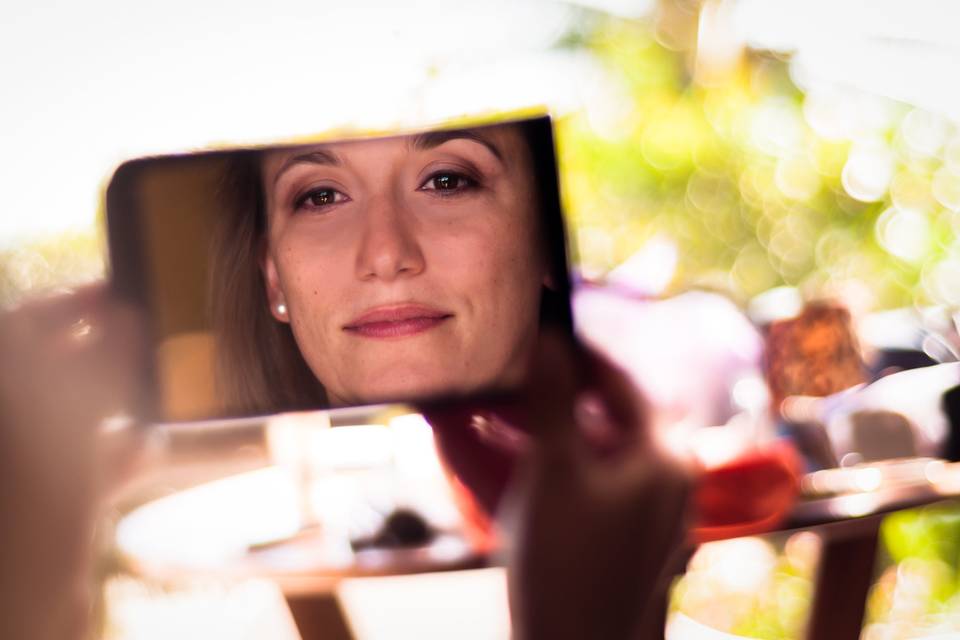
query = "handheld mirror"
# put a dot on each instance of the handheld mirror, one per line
(341, 272)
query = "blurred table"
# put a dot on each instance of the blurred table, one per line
(214, 510)
(252, 535)
(845, 507)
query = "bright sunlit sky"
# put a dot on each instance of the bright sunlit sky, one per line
(86, 85)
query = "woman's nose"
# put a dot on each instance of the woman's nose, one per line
(389, 247)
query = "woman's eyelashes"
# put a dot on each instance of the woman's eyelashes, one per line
(319, 198)
(445, 183)
(449, 183)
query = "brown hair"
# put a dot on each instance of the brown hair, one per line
(259, 367)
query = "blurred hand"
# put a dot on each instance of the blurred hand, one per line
(68, 362)
(596, 518)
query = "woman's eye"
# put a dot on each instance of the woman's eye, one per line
(447, 183)
(319, 198)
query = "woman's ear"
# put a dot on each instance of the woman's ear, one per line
(545, 257)
(549, 281)
(549, 277)
(271, 279)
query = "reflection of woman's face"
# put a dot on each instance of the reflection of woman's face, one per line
(408, 266)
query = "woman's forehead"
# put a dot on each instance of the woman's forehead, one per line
(504, 142)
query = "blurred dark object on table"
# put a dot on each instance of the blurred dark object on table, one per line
(891, 360)
(951, 406)
(401, 528)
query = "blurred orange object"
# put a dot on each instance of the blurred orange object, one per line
(813, 354)
(751, 494)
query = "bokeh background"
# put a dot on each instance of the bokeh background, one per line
(766, 142)
(738, 146)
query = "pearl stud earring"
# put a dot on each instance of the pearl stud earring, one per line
(281, 309)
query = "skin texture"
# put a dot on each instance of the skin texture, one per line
(445, 224)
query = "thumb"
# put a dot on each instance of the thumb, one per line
(550, 392)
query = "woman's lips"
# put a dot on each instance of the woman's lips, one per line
(396, 321)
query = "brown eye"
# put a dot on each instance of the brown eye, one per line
(319, 198)
(448, 183)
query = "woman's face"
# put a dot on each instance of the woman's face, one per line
(410, 266)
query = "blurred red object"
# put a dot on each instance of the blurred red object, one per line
(751, 494)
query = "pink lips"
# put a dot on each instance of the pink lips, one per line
(396, 321)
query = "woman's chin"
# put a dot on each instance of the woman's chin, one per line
(407, 389)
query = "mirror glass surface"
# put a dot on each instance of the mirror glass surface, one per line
(344, 272)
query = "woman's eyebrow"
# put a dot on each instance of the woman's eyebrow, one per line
(432, 139)
(316, 156)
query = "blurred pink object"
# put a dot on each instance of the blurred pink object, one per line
(686, 353)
